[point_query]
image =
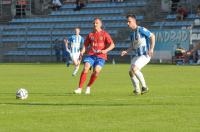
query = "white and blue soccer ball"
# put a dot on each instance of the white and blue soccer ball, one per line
(22, 93)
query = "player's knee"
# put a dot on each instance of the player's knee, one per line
(130, 73)
(86, 69)
(134, 69)
(96, 73)
(87, 66)
(75, 63)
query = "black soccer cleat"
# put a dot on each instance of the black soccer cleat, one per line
(68, 64)
(144, 90)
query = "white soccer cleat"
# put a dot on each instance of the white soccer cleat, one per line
(87, 90)
(136, 92)
(78, 91)
(73, 74)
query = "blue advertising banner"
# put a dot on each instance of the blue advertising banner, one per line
(167, 40)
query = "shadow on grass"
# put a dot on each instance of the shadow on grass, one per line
(44, 94)
(54, 94)
(71, 104)
(7, 93)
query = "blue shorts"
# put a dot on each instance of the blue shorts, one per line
(94, 61)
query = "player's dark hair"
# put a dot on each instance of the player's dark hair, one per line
(132, 16)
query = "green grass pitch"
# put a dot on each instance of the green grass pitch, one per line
(172, 105)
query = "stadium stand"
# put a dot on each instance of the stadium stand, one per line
(30, 37)
(175, 24)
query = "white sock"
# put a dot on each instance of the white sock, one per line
(76, 69)
(87, 90)
(135, 83)
(140, 77)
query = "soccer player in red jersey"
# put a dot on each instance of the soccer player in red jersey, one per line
(97, 44)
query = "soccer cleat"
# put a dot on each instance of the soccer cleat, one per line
(136, 92)
(73, 74)
(144, 90)
(78, 91)
(87, 90)
(67, 64)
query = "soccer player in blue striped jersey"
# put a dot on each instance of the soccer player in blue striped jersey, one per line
(142, 42)
(73, 46)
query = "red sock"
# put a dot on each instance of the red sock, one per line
(92, 79)
(82, 79)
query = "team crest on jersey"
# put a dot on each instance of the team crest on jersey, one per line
(100, 37)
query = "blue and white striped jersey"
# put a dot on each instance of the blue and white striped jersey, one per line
(75, 43)
(140, 40)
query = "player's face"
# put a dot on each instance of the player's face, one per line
(131, 23)
(77, 30)
(97, 24)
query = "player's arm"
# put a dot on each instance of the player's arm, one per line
(84, 47)
(82, 43)
(125, 52)
(85, 44)
(81, 54)
(152, 44)
(110, 42)
(66, 44)
(83, 50)
(110, 47)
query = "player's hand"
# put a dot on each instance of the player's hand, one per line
(78, 62)
(99, 51)
(103, 51)
(67, 49)
(150, 53)
(65, 40)
(124, 53)
(80, 57)
(81, 54)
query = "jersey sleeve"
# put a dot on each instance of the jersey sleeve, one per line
(108, 39)
(145, 32)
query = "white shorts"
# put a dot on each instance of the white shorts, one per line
(140, 61)
(75, 56)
